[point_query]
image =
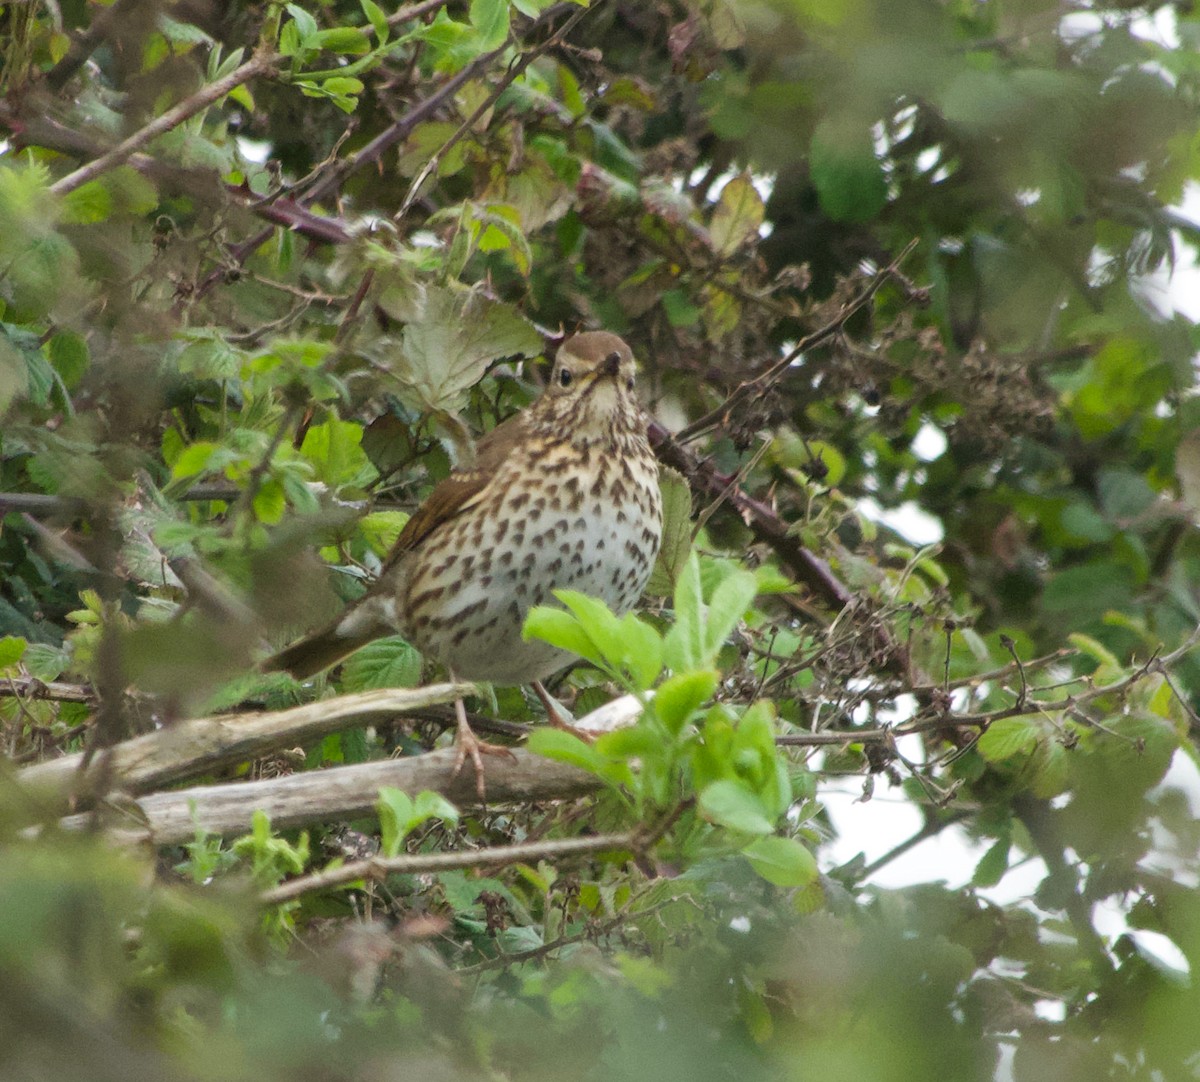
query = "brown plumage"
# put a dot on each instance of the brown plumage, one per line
(562, 495)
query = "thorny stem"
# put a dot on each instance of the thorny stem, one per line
(514, 72)
(171, 119)
(762, 382)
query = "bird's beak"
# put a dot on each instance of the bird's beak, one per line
(611, 365)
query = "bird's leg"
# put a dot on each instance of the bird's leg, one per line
(469, 746)
(558, 715)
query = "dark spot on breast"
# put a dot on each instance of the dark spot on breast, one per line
(424, 597)
(470, 610)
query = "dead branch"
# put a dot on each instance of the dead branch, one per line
(317, 796)
(31, 688)
(200, 745)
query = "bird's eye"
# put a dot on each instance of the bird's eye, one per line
(629, 383)
(564, 377)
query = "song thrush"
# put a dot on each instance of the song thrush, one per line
(562, 495)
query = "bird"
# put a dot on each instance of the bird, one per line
(562, 495)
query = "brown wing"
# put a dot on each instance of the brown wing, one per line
(460, 490)
(357, 625)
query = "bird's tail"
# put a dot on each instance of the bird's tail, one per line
(321, 649)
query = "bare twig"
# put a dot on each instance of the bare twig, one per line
(377, 868)
(762, 382)
(592, 933)
(930, 829)
(808, 568)
(84, 42)
(204, 97)
(514, 72)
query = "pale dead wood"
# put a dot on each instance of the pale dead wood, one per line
(201, 745)
(317, 796)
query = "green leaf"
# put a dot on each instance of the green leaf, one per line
(69, 356)
(642, 651)
(342, 85)
(89, 203)
(729, 603)
(395, 809)
(993, 864)
(680, 310)
(1009, 737)
(738, 216)
(732, 804)
(685, 640)
(381, 528)
(676, 532)
(490, 20)
(194, 459)
(334, 448)
(12, 649)
(344, 39)
(1096, 650)
(450, 340)
(389, 662)
(270, 501)
(565, 747)
(845, 171)
(14, 373)
(306, 25)
(680, 696)
(431, 805)
(598, 621)
(560, 629)
(377, 18)
(782, 861)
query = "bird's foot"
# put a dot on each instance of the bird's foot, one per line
(559, 716)
(468, 746)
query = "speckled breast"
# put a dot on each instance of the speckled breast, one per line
(581, 518)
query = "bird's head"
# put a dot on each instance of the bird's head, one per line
(591, 388)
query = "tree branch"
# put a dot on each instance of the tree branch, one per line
(376, 868)
(30, 687)
(805, 565)
(160, 125)
(201, 745)
(760, 383)
(317, 796)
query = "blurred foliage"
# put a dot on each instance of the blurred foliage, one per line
(232, 361)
